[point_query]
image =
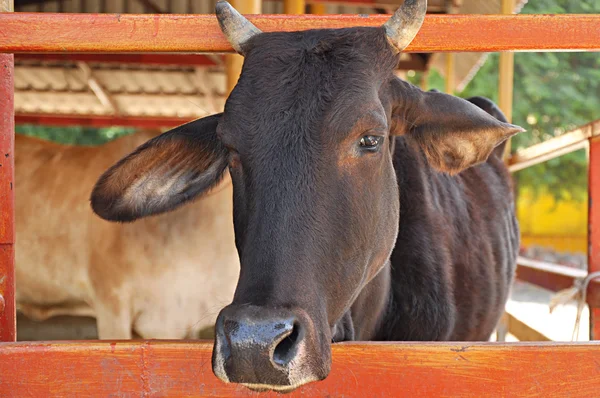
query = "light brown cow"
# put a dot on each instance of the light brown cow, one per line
(161, 277)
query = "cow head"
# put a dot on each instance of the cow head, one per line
(307, 137)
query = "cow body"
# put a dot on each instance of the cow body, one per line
(454, 260)
(162, 277)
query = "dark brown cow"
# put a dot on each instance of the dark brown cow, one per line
(364, 208)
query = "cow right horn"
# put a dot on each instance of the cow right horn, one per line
(404, 25)
(235, 26)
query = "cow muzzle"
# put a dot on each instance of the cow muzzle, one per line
(268, 349)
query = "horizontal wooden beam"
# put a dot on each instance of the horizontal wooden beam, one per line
(556, 277)
(142, 59)
(167, 33)
(99, 121)
(554, 147)
(522, 331)
(161, 368)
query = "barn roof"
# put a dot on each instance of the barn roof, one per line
(175, 86)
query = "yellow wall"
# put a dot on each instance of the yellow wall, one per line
(561, 225)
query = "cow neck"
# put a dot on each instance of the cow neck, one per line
(368, 312)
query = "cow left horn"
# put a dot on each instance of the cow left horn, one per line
(403, 26)
(235, 26)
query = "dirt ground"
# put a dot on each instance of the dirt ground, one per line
(528, 303)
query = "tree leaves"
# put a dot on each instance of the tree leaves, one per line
(553, 93)
(74, 135)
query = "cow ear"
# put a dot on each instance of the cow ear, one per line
(453, 133)
(163, 173)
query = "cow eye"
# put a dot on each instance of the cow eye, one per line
(370, 141)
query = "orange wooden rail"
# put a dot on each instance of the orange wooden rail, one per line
(110, 33)
(177, 369)
(556, 277)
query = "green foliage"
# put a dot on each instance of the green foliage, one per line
(74, 135)
(553, 93)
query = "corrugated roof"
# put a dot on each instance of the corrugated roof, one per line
(187, 92)
(61, 87)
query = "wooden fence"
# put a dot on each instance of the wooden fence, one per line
(159, 368)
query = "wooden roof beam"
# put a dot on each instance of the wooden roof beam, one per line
(142, 59)
(98, 121)
(103, 96)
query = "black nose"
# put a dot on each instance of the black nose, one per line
(262, 348)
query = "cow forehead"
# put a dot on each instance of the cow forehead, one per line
(305, 83)
(348, 52)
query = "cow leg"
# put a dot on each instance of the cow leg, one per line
(113, 326)
(41, 313)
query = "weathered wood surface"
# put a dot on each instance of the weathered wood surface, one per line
(522, 331)
(117, 33)
(594, 227)
(7, 200)
(162, 368)
(556, 277)
(554, 147)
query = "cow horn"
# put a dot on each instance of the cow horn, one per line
(403, 26)
(235, 26)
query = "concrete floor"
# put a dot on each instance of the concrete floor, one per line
(529, 304)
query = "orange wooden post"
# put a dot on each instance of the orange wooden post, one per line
(425, 80)
(506, 73)
(7, 194)
(234, 62)
(506, 78)
(318, 9)
(296, 7)
(450, 72)
(594, 228)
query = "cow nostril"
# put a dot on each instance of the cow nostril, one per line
(286, 350)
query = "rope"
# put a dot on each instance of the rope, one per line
(577, 292)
